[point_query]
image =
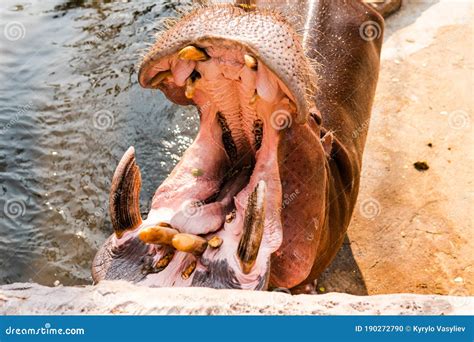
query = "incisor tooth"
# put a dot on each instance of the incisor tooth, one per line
(193, 53)
(250, 62)
(157, 235)
(252, 234)
(164, 261)
(215, 242)
(189, 270)
(160, 77)
(189, 243)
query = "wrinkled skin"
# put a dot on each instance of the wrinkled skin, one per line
(273, 174)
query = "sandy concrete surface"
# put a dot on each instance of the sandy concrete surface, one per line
(412, 230)
(120, 297)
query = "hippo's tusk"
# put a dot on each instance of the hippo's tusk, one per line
(157, 235)
(250, 62)
(193, 53)
(189, 243)
(124, 206)
(251, 239)
(159, 77)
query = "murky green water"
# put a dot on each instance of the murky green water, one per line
(70, 105)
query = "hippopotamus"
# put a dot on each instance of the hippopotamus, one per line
(263, 197)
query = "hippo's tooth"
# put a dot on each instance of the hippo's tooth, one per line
(157, 235)
(215, 242)
(189, 243)
(124, 207)
(189, 270)
(253, 99)
(193, 53)
(252, 234)
(190, 88)
(159, 77)
(267, 85)
(164, 261)
(250, 62)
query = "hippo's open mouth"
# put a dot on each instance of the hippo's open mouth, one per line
(217, 219)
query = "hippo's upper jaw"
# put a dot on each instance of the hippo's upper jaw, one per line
(244, 206)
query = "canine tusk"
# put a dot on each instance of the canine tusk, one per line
(193, 53)
(251, 238)
(124, 198)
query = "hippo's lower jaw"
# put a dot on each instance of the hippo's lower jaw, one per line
(218, 220)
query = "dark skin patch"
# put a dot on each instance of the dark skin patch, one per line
(221, 276)
(227, 139)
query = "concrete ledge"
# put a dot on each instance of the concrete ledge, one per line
(119, 297)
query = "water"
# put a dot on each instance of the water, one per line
(70, 105)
